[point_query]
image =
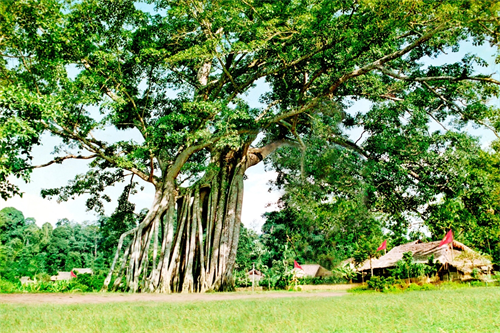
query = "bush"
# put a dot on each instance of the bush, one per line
(347, 272)
(379, 283)
(478, 283)
(279, 276)
(53, 287)
(308, 280)
(42, 277)
(7, 287)
(92, 282)
(242, 280)
(496, 276)
(428, 286)
(42, 284)
(406, 268)
(476, 274)
(390, 284)
(358, 289)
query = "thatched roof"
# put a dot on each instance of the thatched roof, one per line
(463, 257)
(255, 272)
(61, 276)
(255, 275)
(83, 270)
(315, 270)
(26, 279)
(348, 262)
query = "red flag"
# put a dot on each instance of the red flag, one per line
(447, 239)
(73, 275)
(296, 265)
(382, 246)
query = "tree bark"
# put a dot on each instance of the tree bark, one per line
(200, 225)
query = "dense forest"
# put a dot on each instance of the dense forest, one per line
(27, 249)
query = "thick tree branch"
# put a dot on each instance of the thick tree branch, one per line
(256, 155)
(182, 158)
(60, 160)
(385, 59)
(436, 78)
(116, 98)
(98, 150)
(275, 70)
(358, 72)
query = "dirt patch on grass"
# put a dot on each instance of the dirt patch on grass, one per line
(92, 298)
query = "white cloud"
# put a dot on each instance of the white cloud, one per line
(44, 210)
(256, 201)
(257, 198)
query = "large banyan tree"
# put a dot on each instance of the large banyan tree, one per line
(179, 73)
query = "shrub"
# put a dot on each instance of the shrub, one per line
(476, 273)
(379, 283)
(477, 283)
(42, 277)
(308, 280)
(428, 286)
(347, 273)
(53, 287)
(358, 289)
(496, 276)
(406, 268)
(452, 285)
(241, 279)
(280, 276)
(92, 282)
(7, 287)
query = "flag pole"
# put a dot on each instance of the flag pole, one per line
(371, 267)
(452, 250)
(253, 277)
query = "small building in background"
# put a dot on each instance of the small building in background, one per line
(62, 276)
(457, 261)
(350, 263)
(83, 271)
(26, 280)
(255, 274)
(315, 270)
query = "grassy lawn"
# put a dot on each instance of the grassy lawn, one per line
(461, 310)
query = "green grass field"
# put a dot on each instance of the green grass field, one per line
(461, 310)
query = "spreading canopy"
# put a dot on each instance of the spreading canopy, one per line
(178, 72)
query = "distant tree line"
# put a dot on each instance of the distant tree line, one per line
(322, 218)
(27, 249)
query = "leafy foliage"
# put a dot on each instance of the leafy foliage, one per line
(29, 250)
(407, 268)
(176, 73)
(379, 283)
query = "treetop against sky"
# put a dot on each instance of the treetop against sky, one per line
(224, 46)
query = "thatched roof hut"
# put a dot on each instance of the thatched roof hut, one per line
(83, 271)
(315, 270)
(64, 276)
(255, 274)
(462, 258)
(26, 280)
(348, 262)
(61, 276)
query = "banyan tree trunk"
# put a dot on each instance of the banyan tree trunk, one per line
(188, 240)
